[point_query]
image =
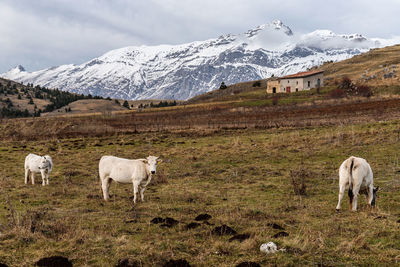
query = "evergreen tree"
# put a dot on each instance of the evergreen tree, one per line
(223, 86)
(125, 104)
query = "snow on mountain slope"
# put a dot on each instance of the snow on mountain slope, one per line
(183, 71)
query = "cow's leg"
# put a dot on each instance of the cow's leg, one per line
(105, 185)
(33, 177)
(341, 193)
(351, 198)
(370, 195)
(356, 189)
(26, 176)
(43, 173)
(47, 177)
(135, 190)
(142, 193)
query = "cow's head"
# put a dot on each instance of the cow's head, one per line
(152, 162)
(374, 196)
(44, 163)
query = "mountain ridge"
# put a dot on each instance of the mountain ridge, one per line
(185, 70)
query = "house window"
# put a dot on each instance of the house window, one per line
(288, 81)
(309, 83)
(274, 90)
(297, 89)
(297, 82)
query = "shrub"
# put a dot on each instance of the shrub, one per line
(275, 100)
(345, 83)
(223, 86)
(337, 93)
(299, 178)
(125, 104)
(364, 90)
(257, 84)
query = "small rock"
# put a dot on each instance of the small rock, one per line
(240, 237)
(280, 234)
(192, 225)
(157, 220)
(177, 263)
(248, 264)
(269, 248)
(223, 230)
(275, 226)
(169, 222)
(54, 261)
(128, 263)
(203, 217)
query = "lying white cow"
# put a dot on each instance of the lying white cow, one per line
(355, 174)
(38, 164)
(138, 172)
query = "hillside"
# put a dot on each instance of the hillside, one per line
(378, 68)
(19, 100)
(86, 106)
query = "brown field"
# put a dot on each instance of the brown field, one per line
(85, 106)
(268, 171)
(276, 173)
(208, 118)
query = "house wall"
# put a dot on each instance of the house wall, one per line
(271, 85)
(313, 81)
(301, 83)
(292, 83)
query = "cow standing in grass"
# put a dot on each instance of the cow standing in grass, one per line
(138, 172)
(356, 174)
(38, 164)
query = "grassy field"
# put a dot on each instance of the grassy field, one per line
(244, 179)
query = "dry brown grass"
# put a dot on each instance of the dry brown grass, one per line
(205, 120)
(376, 62)
(241, 178)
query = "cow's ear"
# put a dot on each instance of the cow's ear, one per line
(376, 189)
(159, 160)
(144, 160)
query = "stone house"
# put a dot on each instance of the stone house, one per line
(296, 82)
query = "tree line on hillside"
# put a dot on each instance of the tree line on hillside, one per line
(159, 105)
(56, 97)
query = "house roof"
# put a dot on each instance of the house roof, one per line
(302, 74)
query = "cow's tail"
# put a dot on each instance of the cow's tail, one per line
(351, 180)
(351, 174)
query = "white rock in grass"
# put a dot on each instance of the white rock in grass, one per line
(269, 248)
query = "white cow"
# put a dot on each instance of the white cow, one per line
(355, 174)
(38, 164)
(138, 172)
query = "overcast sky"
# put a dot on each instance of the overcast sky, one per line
(43, 33)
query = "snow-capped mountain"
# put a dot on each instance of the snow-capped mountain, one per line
(183, 71)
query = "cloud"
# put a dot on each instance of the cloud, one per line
(43, 33)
